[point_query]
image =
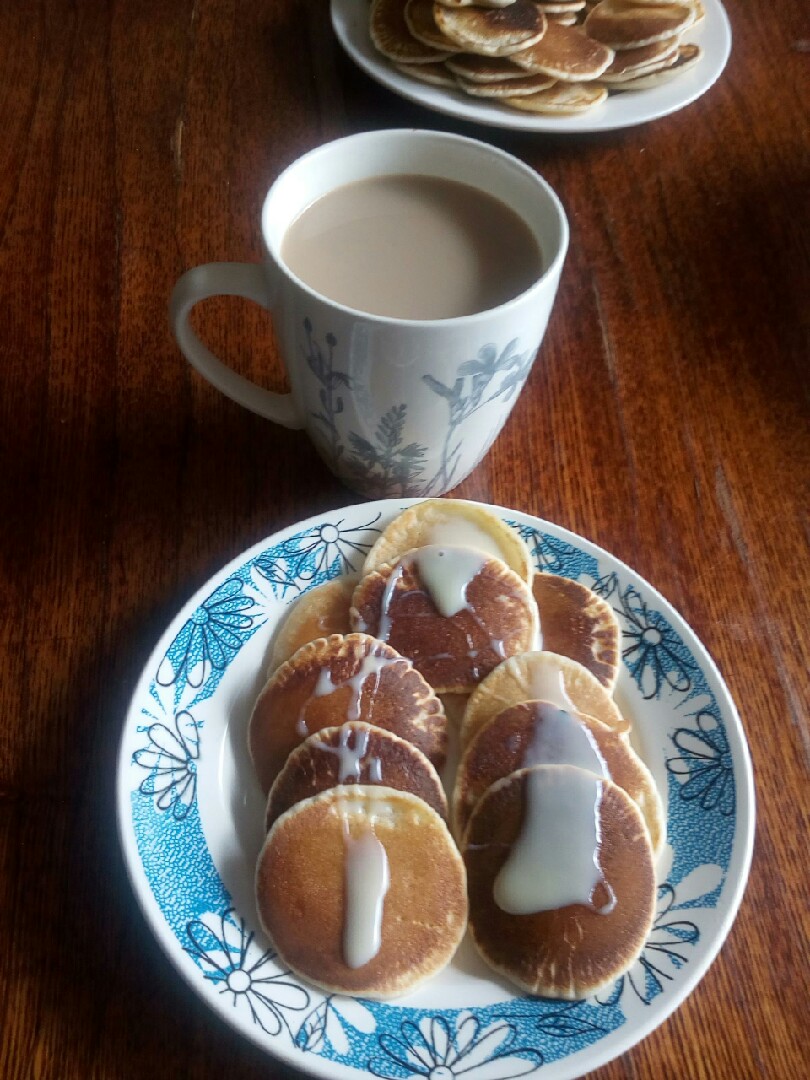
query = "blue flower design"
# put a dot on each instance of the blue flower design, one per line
(171, 762)
(432, 1049)
(229, 957)
(555, 556)
(316, 554)
(663, 955)
(655, 656)
(327, 1024)
(706, 762)
(210, 638)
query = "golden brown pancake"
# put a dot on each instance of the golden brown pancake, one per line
(583, 946)
(354, 753)
(390, 35)
(575, 622)
(686, 57)
(529, 84)
(419, 20)
(540, 676)
(536, 733)
(434, 74)
(562, 99)
(450, 521)
(302, 896)
(455, 651)
(483, 69)
(492, 31)
(475, 3)
(320, 612)
(335, 679)
(631, 62)
(566, 53)
(629, 26)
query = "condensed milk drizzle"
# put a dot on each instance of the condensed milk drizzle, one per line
(548, 684)
(371, 667)
(554, 862)
(558, 738)
(366, 882)
(351, 759)
(445, 573)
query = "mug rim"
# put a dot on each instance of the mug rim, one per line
(505, 158)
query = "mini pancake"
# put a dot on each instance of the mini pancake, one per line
(563, 99)
(492, 31)
(354, 753)
(475, 3)
(529, 84)
(310, 850)
(586, 942)
(335, 679)
(434, 74)
(575, 622)
(565, 53)
(629, 62)
(629, 26)
(536, 733)
(688, 56)
(455, 612)
(540, 676)
(562, 20)
(483, 69)
(320, 612)
(571, 7)
(450, 521)
(419, 20)
(390, 35)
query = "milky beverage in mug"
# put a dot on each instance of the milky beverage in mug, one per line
(410, 276)
(412, 247)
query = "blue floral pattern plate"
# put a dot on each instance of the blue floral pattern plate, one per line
(191, 825)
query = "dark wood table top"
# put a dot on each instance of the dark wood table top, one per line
(666, 419)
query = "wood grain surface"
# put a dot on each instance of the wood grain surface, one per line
(666, 419)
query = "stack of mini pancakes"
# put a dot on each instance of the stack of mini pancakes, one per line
(554, 57)
(449, 636)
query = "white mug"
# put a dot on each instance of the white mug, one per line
(395, 407)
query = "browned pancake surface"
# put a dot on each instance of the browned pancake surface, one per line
(453, 653)
(354, 753)
(392, 695)
(577, 623)
(300, 881)
(574, 950)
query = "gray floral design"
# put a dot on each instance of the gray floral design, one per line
(384, 464)
(470, 392)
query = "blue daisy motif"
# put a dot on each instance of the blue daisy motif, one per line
(319, 553)
(555, 556)
(606, 585)
(329, 1022)
(210, 639)
(434, 1050)
(170, 759)
(655, 656)
(665, 953)
(227, 953)
(705, 767)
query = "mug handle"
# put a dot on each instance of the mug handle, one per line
(248, 280)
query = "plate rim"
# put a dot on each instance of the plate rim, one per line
(479, 113)
(620, 1040)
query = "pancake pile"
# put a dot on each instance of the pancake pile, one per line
(360, 884)
(552, 57)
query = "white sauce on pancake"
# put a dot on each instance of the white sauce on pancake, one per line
(352, 758)
(445, 574)
(559, 738)
(548, 684)
(554, 861)
(366, 880)
(370, 666)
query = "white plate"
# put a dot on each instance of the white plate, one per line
(625, 109)
(191, 817)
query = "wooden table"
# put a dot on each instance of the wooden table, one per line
(666, 420)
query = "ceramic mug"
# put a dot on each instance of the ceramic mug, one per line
(393, 406)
